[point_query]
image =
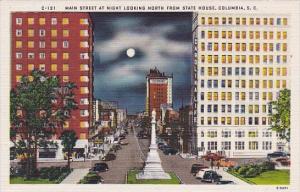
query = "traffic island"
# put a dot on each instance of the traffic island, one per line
(131, 179)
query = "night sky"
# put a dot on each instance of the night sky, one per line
(163, 40)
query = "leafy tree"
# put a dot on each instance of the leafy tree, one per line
(280, 114)
(68, 140)
(39, 106)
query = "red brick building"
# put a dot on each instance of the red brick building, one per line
(61, 44)
(159, 91)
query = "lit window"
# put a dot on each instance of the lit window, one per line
(84, 21)
(53, 32)
(285, 22)
(271, 21)
(66, 124)
(84, 44)
(53, 44)
(244, 21)
(209, 20)
(65, 67)
(84, 124)
(84, 67)
(82, 136)
(84, 33)
(18, 44)
(66, 33)
(84, 78)
(53, 55)
(65, 56)
(84, 90)
(42, 21)
(284, 34)
(30, 21)
(19, 21)
(53, 67)
(30, 67)
(42, 67)
(284, 71)
(18, 78)
(283, 84)
(65, 79)
(65, 21)
(30, 32)
(30, 44)
(19, 32)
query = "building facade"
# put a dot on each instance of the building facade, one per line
(240, 63)
(158, 91)
(60, 44)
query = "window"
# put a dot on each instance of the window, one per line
(42, 21)
(30, 21)
(65, 56)
(84, 90)
(53, 32)
(253, 145)
(212, 145)
(65, 78)
(84, 56)
(19, 32)
(239, 145)
(267, 145)
(84, 113)
(18, 67)
(30, 55)
(18, 44)
(19, 21)
(30, 44)
(84, 101)
(65, 67)
(53, 67)
(82, 136)
(42, 67)
(84, 44)
(30, 67)
(226, 145)
(42, 44)
(84, 78)
(42, 55)
(65, 44)
(30, 32)
(65, 21)
(226, 134)
(18, 55)
(53, 55)
(53, 21)
(53, 44)
(84, 33)
(18, 78)
(65, 33)
(239, 134)
(284, 21)
(212, 134)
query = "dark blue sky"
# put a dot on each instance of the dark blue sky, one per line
(163, 40)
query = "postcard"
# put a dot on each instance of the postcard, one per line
(149, 95)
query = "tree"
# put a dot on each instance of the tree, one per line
(39, 107)
(280, 114)
(68, 140)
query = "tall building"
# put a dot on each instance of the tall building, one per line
(240, 64)
(158, 91)
(61, 44)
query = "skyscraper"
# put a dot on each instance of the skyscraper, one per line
(61, 44)
(240, 64)
(159, 91)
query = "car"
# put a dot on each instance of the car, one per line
(160, 144)
(99, 167)
(123, 142)
(170, 151)
(196, 168)
(109, 157)
(276, 154)
(208, 175)
(225, 182)
(162, 147)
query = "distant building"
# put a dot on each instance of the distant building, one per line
(186, 123)
(121, 115)
(158, 91)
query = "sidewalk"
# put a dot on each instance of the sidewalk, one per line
(227, 176)
(75, 176)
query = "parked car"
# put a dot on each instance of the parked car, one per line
(123, 142)
(99, 167)
(225, 182)
(162, 147)
(160, 144)
(276, 154)
(208, 175)
(109, 157)
(170, 151)
(196, 168)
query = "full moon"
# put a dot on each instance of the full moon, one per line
(130, 52)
